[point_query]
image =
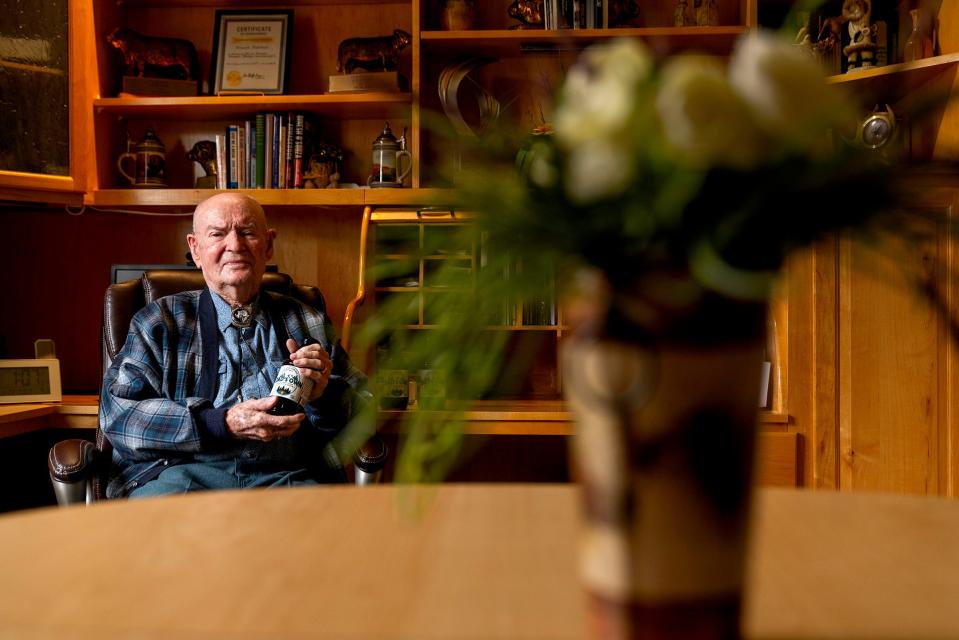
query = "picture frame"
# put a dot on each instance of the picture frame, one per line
(251, 52)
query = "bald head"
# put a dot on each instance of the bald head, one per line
(229, 201)
(231, 244)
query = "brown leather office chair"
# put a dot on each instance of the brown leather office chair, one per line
(80, 469)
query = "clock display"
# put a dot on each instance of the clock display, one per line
(22, 381)
(876, 132)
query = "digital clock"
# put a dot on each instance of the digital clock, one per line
(36, 380)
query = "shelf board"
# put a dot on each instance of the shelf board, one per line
(409, 197)
(528, 417)
(376, 104)
(893, 82)
(278, 197)
(192, 197)
(181, 4)
(513, 42)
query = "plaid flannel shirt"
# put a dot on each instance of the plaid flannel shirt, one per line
(152, 413)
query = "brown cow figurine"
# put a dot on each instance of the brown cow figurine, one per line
(204, 152)
(528, 12)
(380, 53)
(140, 51)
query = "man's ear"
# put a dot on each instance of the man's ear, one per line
(270, 236)
(191, 242)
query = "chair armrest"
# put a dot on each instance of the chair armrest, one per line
(369, 460)
(71, 465)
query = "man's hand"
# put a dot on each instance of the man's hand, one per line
(249, 420)
(314, 363)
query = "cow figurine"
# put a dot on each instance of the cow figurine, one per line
(380, 53)
(204, 153)
(139, 51)
(528, 12)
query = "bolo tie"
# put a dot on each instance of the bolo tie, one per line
(241, 317)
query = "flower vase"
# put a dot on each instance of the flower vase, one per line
(918, 45)
(663, 451)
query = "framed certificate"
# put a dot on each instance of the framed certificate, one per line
(251, 51)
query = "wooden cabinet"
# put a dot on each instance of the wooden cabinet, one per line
(348, 121)
(871, 365)
(103, 123)
(43, 69)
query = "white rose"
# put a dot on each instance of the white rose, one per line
(599, 92)
(785, 88)
(703, 118)
(598, 169)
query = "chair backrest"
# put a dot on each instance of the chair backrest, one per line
(124, 299)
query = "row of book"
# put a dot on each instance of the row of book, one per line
(576, 14)
(263, 153)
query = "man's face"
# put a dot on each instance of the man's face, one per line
(231, 243)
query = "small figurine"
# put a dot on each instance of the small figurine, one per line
(528, 12)
(707, 14)
(323, 172)
(681, 14)
(380, 53)
(622, 13)
(204, 153)
(162, 55)
(861, 50)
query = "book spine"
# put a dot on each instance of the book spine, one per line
(275, 166)
(233, 142)
(291, 133)
(281, 174)
(260, 149)
(220, 142)
(298, 153)
(249, 169)
(268, 154)
(241, 155)
(579, 14)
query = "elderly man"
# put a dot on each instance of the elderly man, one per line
(186, 403)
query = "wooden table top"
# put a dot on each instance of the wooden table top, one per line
(445, 562)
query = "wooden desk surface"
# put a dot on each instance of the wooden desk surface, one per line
(479, 561)
(71, 412)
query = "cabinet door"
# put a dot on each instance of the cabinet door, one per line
(872, 384)
(41, 84)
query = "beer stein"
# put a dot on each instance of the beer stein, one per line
(148, 162)
(387, 152)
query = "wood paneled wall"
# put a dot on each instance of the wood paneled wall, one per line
(55, 268)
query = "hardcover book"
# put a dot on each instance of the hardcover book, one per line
(260, 142)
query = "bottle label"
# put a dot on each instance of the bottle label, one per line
(290, 385)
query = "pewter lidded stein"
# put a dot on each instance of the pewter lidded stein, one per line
(386, 159)
(149, 162)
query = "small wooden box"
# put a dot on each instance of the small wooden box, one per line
(167, 87)
(371, 81)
